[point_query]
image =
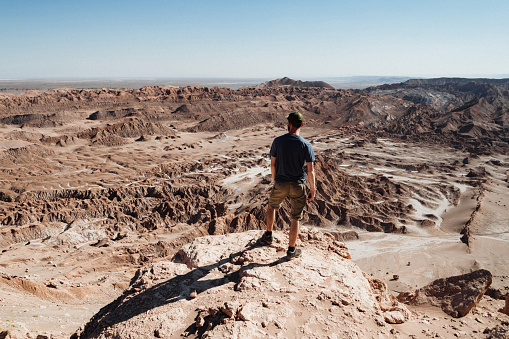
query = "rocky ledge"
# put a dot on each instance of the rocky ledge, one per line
(228, 286)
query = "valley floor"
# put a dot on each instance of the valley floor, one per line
(442, 194)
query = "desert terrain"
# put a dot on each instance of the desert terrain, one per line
(98, 185)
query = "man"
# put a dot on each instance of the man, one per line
(288, 154)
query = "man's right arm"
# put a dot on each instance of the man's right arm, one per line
(273, 169)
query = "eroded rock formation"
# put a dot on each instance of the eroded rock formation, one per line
(96, 183)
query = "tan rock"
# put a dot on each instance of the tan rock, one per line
(395, 317)
(250, 291)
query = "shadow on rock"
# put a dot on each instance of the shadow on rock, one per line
(140, 298)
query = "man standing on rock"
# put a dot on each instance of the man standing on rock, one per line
(288, 154)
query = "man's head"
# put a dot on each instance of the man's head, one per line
(296, 119)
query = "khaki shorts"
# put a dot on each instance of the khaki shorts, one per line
(297, 194)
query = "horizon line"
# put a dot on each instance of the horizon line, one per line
(89, 78)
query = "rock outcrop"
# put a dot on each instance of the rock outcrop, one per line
(455, 295)
(469, 109)
(228, 286)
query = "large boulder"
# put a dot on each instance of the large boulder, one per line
(228, 286)
(455, 295)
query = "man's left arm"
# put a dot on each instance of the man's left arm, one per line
(311, 180)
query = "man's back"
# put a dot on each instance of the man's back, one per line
(291, 153)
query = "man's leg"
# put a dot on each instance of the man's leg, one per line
(294, 232)
(267, 237)
(270, 216)
(297, 201)
(277, 195)
(293, 252)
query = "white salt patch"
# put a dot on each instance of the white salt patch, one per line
(250, 173)
(496, 236)
(383, 169)
(462, 187)
(339, 140)
(414, 180)
(373, 244)
(421, 210)
(206, 171)
(132, 183)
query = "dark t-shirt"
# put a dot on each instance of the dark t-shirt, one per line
(291, 153)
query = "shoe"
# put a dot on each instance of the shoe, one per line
(293, 254)
(266, 239)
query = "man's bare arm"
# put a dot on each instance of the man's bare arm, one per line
(311, 180)
(273, 169)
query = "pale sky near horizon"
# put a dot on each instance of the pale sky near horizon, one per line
(255, 39)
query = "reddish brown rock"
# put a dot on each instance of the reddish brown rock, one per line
(456, 295)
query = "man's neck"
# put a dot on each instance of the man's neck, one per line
(294, 131)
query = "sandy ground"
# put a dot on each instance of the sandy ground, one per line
(419, 257)
(39, 315)
(428, 254)
(425, 255)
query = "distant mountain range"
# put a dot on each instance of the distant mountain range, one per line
(477, 108)
(471, 114)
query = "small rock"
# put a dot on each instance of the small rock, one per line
(394, 317)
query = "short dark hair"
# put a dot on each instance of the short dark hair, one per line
(296, 119)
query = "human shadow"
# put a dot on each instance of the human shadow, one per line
(131, 303)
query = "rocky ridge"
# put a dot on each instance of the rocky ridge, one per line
(230, 286)
(469, 108)
(227, 286)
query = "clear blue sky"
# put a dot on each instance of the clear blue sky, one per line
(255, 38)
